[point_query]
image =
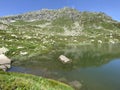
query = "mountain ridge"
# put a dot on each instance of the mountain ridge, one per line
(46, 14)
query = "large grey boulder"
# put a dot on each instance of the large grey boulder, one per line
(5, 62)
(64, 59)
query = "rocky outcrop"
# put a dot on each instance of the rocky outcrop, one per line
(5, 62)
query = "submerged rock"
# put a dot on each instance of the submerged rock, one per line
(5, 62)
(76, 84)
(64, 59)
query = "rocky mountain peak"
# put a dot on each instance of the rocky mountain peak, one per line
(46, 14)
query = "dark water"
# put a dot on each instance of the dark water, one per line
(96, 67)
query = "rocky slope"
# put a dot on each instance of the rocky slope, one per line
(43, 30)
(65, 18)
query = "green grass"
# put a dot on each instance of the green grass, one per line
(18, 81)
(63, 21)
(56, 29)
(21, 22)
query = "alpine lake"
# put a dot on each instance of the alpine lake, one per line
(93, 67)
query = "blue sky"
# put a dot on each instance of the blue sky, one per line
(11, 7)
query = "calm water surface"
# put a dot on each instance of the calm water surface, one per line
(96, 67)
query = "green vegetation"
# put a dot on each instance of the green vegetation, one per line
(22, 22)
(56, 29)
(17, 81)
(63, 21)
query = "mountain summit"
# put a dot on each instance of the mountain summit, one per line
(46, 14)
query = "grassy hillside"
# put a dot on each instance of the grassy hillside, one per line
(42, 31)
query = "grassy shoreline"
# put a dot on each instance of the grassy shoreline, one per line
(19, 81)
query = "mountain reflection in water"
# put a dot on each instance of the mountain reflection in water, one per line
(96, 67)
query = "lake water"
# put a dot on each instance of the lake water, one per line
(96, 67)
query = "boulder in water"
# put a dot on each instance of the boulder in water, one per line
(64, 59)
